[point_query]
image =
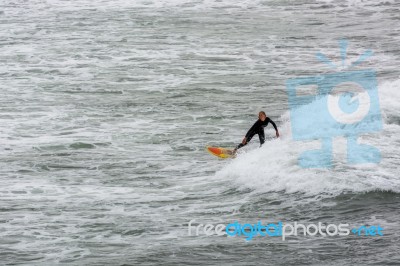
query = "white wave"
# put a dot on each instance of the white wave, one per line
(274, 167)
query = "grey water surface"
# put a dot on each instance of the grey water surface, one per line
(107, 107)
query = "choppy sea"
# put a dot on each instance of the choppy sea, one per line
(106, 108)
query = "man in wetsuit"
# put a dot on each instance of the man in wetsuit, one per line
(258, 128)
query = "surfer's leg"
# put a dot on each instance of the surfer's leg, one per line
(261, 136)
(245, 141)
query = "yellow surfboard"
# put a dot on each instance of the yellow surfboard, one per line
(221, 152)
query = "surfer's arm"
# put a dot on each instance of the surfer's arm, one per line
(274, 125)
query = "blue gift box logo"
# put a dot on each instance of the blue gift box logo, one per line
(344, 103)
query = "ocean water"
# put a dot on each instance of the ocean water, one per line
(107, 107)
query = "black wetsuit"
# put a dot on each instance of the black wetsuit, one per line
(258, 128)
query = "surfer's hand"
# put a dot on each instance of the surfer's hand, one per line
(277, 134)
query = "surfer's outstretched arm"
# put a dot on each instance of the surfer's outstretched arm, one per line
(275, 127)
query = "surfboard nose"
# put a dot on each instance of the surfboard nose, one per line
(221, 152)
(215, 150)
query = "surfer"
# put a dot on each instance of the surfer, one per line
(258, 128)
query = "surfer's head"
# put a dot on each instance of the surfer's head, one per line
(262, 116)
